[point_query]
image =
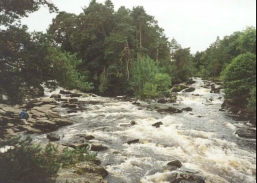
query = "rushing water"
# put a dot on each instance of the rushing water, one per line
(203, 140)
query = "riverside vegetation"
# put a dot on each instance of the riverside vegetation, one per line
(111, 53)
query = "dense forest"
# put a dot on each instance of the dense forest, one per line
(111, 53)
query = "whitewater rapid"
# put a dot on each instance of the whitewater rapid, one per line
(203, 139)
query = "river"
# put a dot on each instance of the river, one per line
(203, 139)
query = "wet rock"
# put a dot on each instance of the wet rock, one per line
(82, 173)
(191, 89)
(124, 124)
(62, 122)
(72, 111)
(30, 130)
(215, 90)
(152, 172)
(133, 123)
(178, 88)
(65, 92)
(97, 147)
(175, 163)
(187, 109)
(73, 100)
(170, 168)
(136, 103)
(45, 125)
(133, 141)
(53, 137)
(182, 177)
(75, 95)
(51, 114)
(45, 101)
(87, 137)
(158, 124)
(170, 110)
(55, 96)
(13, 120)
(162, 101)
(37, 114)
(9, 133)
(92, 168)
(69, 105)
(189, 82)
(172, 99)
(246, 133)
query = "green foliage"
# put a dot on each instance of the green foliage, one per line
(163, 83)
(26, 162)
(10, 11)
(65, 72)
(252, 101)
(214, 59)
(239, 78)
(147, 80)
(149, 90)
(182, 65)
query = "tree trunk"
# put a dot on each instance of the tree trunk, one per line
(140, 34)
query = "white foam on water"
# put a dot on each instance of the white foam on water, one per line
(197, 148)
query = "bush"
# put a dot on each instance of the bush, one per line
(25, 162)
(147, 80)
(239, 78)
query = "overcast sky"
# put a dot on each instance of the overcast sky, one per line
(193, 23)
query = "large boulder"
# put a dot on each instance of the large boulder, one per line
(133, 141)
(53, 137)
(191, 89)
(246, 133)
(175, 163)
(97, 147)
(162, 101)
(158, 124)
(45, 125)
(170, 110)
(187, 109)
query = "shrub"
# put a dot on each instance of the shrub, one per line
(147, 80)
(26, 162)
(239, 78)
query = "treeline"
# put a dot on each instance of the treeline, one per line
(233, 59)
(121, 52)
(111, 53)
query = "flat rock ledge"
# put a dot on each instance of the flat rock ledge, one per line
(42, 118)
(85, 172)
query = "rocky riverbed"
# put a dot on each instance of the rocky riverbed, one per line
(187, 137)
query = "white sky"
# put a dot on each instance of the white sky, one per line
(193, 23)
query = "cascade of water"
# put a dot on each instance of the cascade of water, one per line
(202, 139)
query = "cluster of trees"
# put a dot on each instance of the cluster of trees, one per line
(115, 45)
(100, 49)
(234, 60)
(28, 59)
(114, 53)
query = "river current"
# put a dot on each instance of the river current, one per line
(203, 139)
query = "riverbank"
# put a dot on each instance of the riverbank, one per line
(45, 119)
